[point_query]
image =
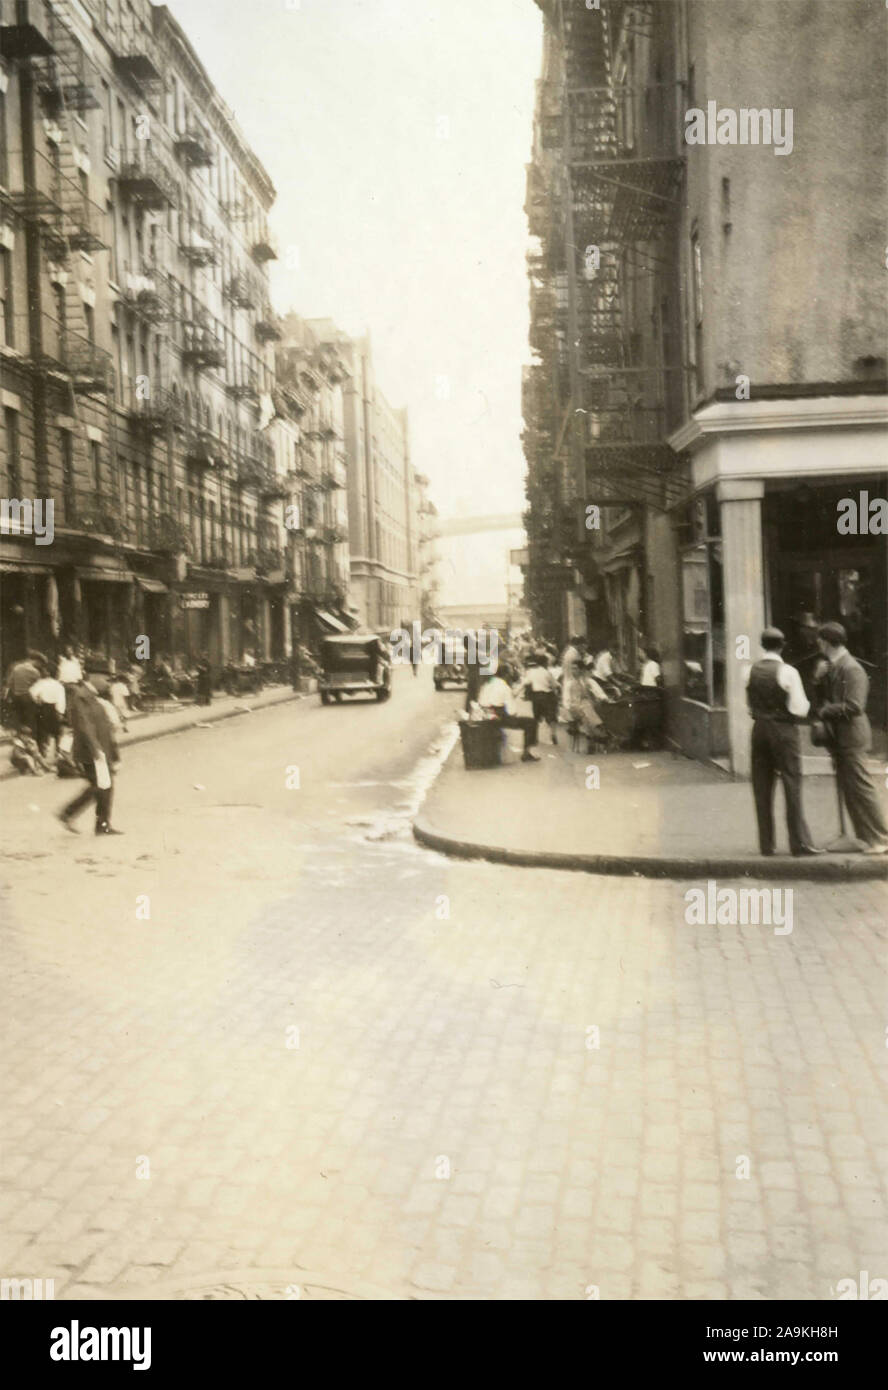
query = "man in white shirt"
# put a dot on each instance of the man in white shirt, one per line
(604, 665)
(70, 671)
(49, 711)
(495, 695)
(778, 704)
(540, 684)
(650, 667)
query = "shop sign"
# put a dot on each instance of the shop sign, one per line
(195, 600)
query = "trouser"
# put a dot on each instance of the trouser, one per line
(860, 795)
(103, 800)
(776, 749)
(47, 726)
(516, 721)
(24, 711)
(545, 706)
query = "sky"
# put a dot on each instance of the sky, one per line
(397, 133)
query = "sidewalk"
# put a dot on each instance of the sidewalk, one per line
(659, 815)
(174, 718)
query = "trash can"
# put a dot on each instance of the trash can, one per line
(481, 743)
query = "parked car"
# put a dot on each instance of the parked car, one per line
(354, 664)
(453, 672)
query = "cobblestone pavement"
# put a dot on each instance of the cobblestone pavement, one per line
(331, 1064)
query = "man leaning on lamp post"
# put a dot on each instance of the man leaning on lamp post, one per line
(844, 687)
(778, 705)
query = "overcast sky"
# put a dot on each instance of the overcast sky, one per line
(396, 133)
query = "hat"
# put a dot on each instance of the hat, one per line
(772, 637)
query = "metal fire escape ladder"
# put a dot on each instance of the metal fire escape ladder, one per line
(623, 193)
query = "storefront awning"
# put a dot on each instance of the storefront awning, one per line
(625, 559)
(151, 586)
(91, 576)
(333, 623)
(13, 567)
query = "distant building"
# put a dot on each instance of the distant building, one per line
(427, 549)
(480, 581)
(382, 498)
(311, 375)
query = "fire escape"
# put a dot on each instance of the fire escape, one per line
(49, 194)
(549, 518)
(624, 181)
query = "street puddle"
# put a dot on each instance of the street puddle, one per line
(394, 827)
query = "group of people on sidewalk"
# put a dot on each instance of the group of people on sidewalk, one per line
(61, 723)
(571, 689)
(779, 706)
(566, 689)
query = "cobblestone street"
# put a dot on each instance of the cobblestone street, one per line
(332, 1062)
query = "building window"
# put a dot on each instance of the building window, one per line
(697, 306)
(7, 311)
(66, 449)
(13, 452)
(61, 311)
(89, 315)
(4, 166)
(115, 353)
(703, 610)
(95, 464)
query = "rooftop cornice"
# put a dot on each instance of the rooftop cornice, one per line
(802, 413)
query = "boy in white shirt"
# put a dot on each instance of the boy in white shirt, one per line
(540, 684)
(495, 696)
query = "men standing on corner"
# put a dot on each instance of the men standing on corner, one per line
(845, 687)
(778, 704)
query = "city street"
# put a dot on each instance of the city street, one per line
(266, 1046)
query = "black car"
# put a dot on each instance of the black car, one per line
(354, 664)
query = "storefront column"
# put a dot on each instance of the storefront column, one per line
(224, 630)
(575, 614)
(740, 503)
(263, 626)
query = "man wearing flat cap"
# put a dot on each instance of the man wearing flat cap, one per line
(778, 705)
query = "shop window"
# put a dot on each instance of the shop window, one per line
(703, 632)
(95, 463)
(13, 455)
(7, 308)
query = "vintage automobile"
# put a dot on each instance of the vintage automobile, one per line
(355, 663)
(455, 654)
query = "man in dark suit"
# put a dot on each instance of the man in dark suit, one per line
(95, 752)
(844, 690)
(778, 704)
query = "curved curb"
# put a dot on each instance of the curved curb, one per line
(830, 869)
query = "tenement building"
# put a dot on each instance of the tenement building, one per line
(383, 522)
(311, 374)
(136, 342)
(707, 394)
